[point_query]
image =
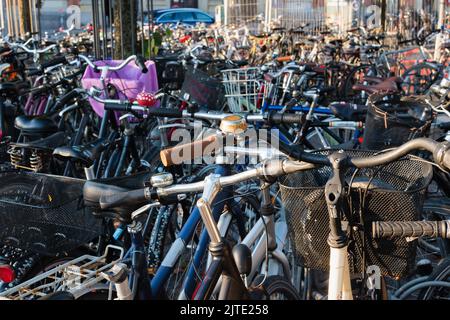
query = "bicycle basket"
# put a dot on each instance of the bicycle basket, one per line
(44, 213)
(392, 121)
(243, 89)
(397, 193)
(129, 81)
(204, 89)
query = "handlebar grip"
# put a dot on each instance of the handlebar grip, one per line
(163, 112)
(397, 229)
(186, 152)
(39, 90)
(286, 118)
(406, 41)
(118, 107)
(32, 73)
(140, 62)
(66, 98)
(53, 62)
(444, 126)
(285, 58)
(134, 198)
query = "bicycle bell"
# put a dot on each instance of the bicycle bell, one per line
(234, 125)
(161, 180)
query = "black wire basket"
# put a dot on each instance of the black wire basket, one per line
(205, 90)
(393, 192)
(44, 213)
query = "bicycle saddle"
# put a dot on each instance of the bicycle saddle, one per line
(373, 79)
(349, 111)
(35, 124)
(86, 153)
(314, 68)
(240, 63)
(93, 190)
(387, 85)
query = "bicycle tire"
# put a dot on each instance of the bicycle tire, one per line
(436, 73)
(275, 285)
(440, 273)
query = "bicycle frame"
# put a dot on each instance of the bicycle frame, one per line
(266, 235)
(180, 244)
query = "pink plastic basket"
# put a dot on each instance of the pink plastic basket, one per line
(129, 81)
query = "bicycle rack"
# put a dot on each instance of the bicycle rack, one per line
(79, 276)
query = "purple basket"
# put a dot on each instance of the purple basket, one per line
(129, 81)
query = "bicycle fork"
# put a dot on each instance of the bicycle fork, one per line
(222, 263)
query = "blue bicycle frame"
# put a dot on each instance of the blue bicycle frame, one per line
(176, 250)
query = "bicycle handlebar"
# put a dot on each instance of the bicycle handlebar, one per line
(403, 229)
(35, 51)
(137, 59)
(273, 168)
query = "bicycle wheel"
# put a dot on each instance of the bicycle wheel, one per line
(236, 230)
(275, 288)
(440, 273)
(356, 75)
(434, 248)
(419, 78)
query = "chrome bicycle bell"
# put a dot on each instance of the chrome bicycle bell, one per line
(233, 125)
(161, 180)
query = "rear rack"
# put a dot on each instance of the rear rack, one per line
(78, 277)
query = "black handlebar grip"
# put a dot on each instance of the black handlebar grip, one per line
(134, 198)
(286, 118)
(74, 75)
(39, 90)
(140, 62)
(118, 107)
(163, 112)
(32, 73)
(53, 62)
(444, 126)
(407, 41)
(65, 99)
(403, 229)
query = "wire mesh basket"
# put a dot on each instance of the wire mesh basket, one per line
(44, 213)
(77, 277)
(393, 192)
(243, 89)
(207, 91)
(271, 90)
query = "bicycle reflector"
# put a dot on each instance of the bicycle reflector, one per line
(7, 273)
(145, 99)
